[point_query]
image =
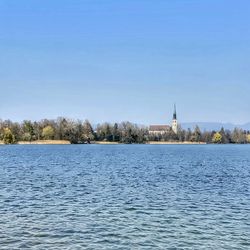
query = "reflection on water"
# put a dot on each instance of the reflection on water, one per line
(125, 197)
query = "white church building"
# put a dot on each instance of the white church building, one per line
(161, 129)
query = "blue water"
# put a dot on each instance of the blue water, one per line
(125, 197)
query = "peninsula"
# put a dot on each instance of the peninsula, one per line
(67, 131)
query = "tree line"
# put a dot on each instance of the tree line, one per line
(78, 131)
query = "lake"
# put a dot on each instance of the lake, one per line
(125, 197)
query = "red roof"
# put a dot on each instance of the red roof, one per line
(159, 127)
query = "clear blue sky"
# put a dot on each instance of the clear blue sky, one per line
(120, 60)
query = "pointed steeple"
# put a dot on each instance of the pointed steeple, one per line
(174, 115)
(174, 121)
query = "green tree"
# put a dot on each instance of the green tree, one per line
(28, 131)
(62, 128)
(224, 138)
(130, 133)
(108, 133)
(87, 131)
(116, 133)
(238, 136)
(181, 134)
(104, 132)
(38, 129)
(48, 133)
(208, 136)
(248, 138)
(188, 135)
(196, 136)
(217, 138)
(8, 136)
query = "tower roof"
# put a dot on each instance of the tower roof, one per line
(174, 114)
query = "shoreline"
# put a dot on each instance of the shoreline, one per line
(65, 142)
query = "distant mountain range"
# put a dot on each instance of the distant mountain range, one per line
(214, 125)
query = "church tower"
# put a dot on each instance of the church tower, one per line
(174, 121)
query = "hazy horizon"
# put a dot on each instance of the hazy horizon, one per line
(125, 61)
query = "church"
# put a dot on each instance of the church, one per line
(161, 129)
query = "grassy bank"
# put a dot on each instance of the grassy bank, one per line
(174, 143)
(45, 142)
(105, 143)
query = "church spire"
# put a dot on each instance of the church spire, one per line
(174, 115)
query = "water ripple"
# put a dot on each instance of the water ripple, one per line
(125, 197)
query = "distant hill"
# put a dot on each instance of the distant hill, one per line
(214, 125)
